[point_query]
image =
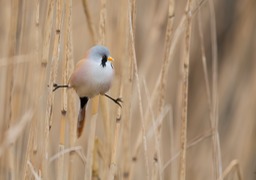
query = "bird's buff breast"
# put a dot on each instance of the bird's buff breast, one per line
(92, 79)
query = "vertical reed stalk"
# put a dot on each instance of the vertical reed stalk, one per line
(53, 75)
(90, 148)
(62, 170)
(143, 128)
(32, 130)
(163, 79)
(113, 164)
(183, 136)
(89, 20)
(215, 113)
(9, 112)
(69, 66)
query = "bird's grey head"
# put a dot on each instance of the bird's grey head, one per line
(100, 54)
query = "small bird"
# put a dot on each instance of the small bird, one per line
(92, 76)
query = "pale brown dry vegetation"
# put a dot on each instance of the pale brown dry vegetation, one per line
(186, 71)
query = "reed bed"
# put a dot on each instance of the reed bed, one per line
(186, 72)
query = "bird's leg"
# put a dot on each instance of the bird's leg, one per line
(56, 86)
(118, 101)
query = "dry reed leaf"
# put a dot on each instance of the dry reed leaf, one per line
(14, 132)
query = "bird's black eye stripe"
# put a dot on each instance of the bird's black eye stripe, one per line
(104, 60)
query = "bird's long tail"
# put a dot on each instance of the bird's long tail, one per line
(82, 115)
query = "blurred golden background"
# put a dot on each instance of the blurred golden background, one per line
(186, 71)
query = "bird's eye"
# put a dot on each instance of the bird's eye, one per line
(104, 60)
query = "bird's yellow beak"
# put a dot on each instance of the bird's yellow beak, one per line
(110, 59)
